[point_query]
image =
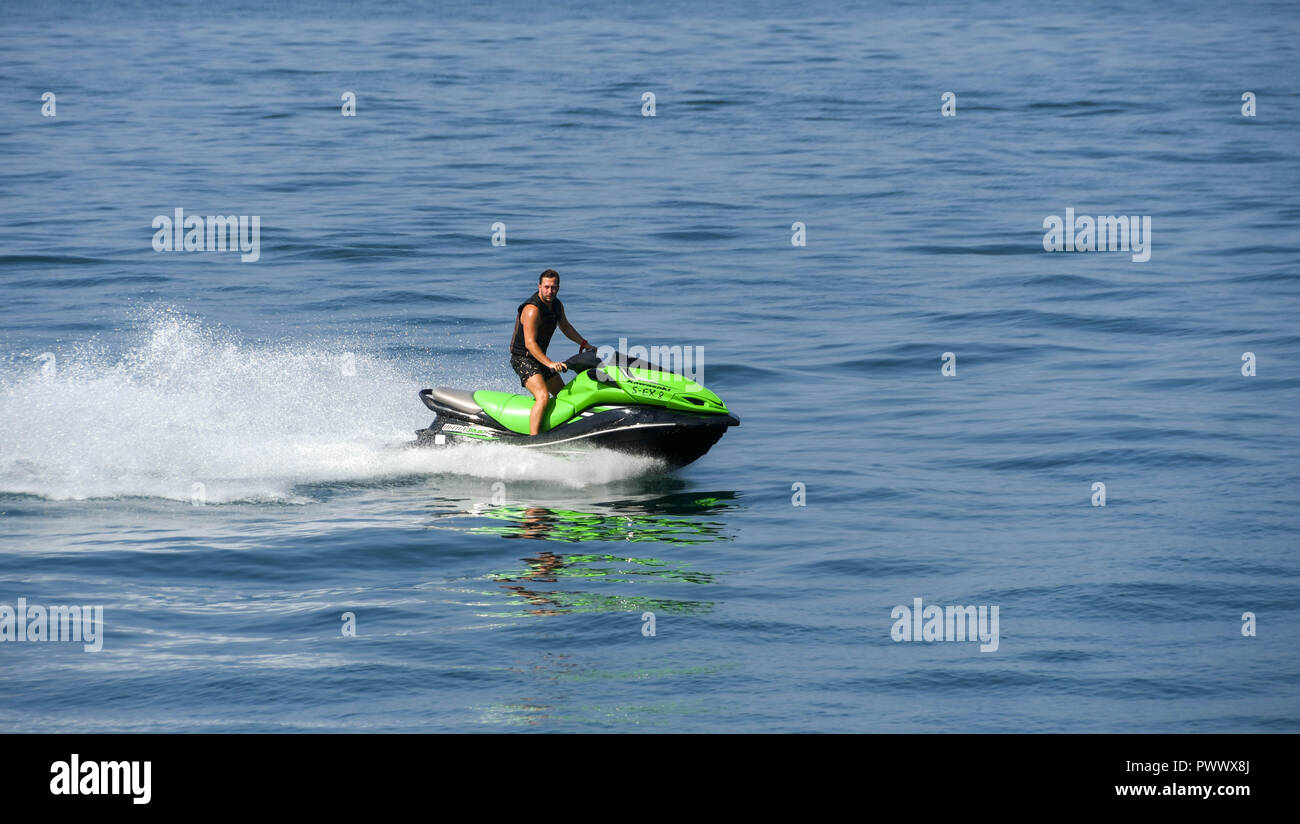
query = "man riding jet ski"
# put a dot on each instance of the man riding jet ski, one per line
(625, 404)
(628, 404)
(535, 322)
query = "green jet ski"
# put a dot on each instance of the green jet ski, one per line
(625, 404)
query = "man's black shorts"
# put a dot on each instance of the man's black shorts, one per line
(526, 366)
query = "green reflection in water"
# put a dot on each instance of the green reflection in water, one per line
(549, 568)
(542, 523)
(666, 519)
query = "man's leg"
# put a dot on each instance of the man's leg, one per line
(554, 383)
(537, 385)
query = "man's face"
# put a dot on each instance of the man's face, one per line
(548, 288)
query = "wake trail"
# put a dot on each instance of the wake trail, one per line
(186, 404)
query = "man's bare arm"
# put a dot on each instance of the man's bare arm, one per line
(570, 332)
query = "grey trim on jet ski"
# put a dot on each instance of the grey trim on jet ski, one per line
(457, 399)
(524, 441)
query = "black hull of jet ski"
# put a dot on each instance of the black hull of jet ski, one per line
(626, 405)
(674, 437)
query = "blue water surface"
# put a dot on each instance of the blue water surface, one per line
(214, 450)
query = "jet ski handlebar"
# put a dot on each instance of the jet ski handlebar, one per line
(583, 361)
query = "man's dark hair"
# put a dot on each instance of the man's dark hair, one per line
(549, 273)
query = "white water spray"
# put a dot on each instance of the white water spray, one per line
(188, 404)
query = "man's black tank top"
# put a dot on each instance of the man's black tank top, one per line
(546, 321)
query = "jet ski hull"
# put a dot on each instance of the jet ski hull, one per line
(675, 437)
(628, 405)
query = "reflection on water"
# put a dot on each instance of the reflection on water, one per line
(545, 585)
(548, 568)
(638, 521)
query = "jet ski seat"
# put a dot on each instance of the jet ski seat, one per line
(457, 399)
